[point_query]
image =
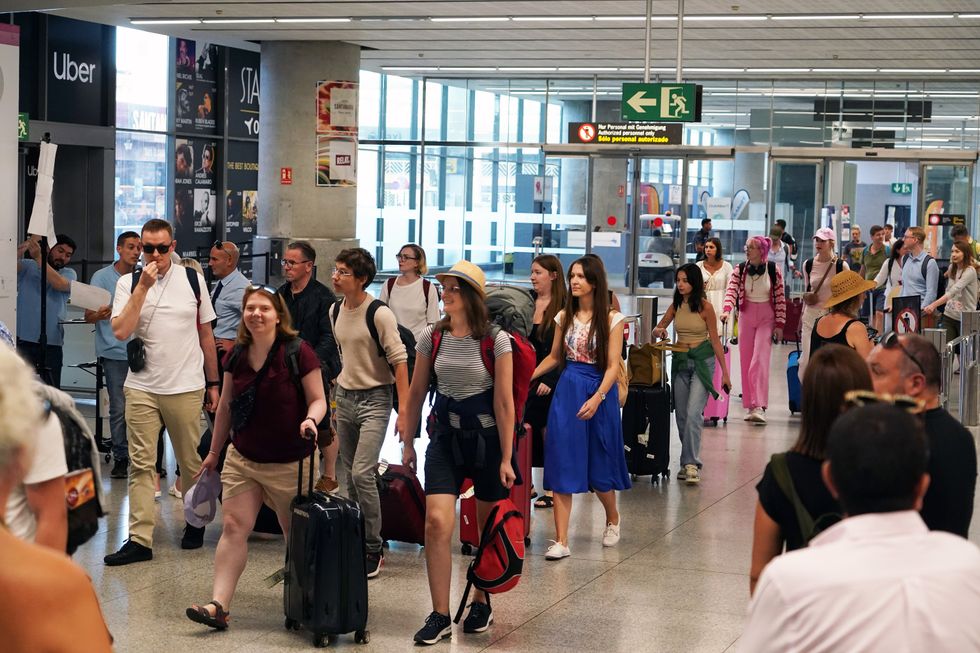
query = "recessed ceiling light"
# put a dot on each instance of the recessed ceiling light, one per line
(844, 70)
(907, 16)
(526, 69)
(818, 17)
(911, 70)
(705, 18)
(777, 70)
(586, 69)
(581, 19)
(654, 19)
(230, 21)
(408, 68)
(313, 20)
(165, 21)
(714, 70)
(471, 19)
(465, 69)
(964, 70)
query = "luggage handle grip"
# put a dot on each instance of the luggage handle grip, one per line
(299, 476)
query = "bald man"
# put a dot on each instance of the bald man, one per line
(227, 294)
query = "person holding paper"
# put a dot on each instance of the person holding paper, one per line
(59, 278)
(111, 351)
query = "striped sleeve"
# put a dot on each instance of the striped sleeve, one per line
(731, 294)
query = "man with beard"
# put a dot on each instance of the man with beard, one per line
(59, 280)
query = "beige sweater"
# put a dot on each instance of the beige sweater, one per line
(363, 369)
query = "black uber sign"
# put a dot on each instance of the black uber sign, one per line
(75, 71)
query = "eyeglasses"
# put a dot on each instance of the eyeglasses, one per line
(160, 249)
(891, 341)
(257, 287)
(869, 398)
(342, 273)
(402, 257)
(286, 263)
(451, 290)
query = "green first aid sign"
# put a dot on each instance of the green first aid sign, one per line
(661, 102)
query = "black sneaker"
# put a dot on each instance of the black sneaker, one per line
(374, 561)
(193, 537)
(120, 469)
(479, 618)
(437, 626)
(129, 553)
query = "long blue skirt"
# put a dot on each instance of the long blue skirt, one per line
(584, 454)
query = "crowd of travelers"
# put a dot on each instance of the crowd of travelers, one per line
(859, 527)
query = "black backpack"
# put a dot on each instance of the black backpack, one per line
(191, 277)
(81, 493)
(770, 267)
(406, 335)
(809, 527)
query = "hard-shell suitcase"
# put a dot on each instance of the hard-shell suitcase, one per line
(717, 409)
(792, 330)
(646, 429)
(520, 495)
(793, 381)
(325, 588)
(402, 504)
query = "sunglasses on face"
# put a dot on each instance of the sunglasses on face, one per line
(160, 249)
(868, 398)
(891, 341)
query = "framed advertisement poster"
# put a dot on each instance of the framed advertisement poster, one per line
(336, 133)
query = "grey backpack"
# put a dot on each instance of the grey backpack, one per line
(511, 308)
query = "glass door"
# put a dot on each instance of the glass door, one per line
(609, 234)
(662, 201)
(945, 200)
(796, 196)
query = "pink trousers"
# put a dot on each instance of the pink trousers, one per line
(755, 324)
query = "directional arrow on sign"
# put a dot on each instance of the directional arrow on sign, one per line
(639, 100)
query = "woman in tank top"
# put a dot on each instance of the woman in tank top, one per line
(716, 272)
(756, 292)
(841, 326)
(695, 327)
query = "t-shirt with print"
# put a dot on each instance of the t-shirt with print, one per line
(48, 462)
(577, 345)
(271, 434)
(459, 367)
(174, 358)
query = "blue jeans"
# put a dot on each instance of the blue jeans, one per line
(690, 397)
(115, 376)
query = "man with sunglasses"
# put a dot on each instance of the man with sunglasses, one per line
(173, 320)
(879, 580)
(910, 365)
(227, 294)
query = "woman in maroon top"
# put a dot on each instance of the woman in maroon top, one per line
(261, 463)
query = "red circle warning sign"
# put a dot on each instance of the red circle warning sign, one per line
(611, 221)
(587, 132)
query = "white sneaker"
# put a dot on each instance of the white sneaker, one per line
(174, 492)
(693, 474)
(610, 536)
(557, 551)
(756, 416)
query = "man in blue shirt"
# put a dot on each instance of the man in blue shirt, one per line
(227, 294)
(112, 352)
(913, 281)
(29, 304)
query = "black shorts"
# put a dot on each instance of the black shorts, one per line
(447, 466)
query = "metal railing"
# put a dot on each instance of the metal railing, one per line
(969, 384)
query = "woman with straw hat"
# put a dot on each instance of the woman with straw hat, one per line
(471, 432)
(848, 291)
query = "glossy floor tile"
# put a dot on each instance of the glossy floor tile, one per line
(678, 580)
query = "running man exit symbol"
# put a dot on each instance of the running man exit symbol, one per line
(661, 102)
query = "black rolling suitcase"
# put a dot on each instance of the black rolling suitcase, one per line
(646, 429)
(326, 577)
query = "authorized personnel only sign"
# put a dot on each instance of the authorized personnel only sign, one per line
(625, 133)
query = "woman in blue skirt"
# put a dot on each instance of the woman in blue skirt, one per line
(584, 447)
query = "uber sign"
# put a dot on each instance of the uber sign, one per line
(76, 61)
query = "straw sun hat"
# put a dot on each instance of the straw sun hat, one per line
(468, 272)
(847, 284)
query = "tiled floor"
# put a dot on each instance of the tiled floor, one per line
(677, 581)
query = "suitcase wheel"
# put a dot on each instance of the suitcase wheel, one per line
(323, 640)
(633, 477)
(726, 421)
(466, 549)
(362, 636)
(290, 624)
(714, 421)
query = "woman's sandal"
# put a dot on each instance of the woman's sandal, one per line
(544, 502)
(200, 614)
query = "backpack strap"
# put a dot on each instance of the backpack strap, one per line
(925, 265)
(426, 284)
(771, 267)
(839, 266)
(389, 285)
(487, 344)
(372, 310)
(136, 280)
(292, 362)
(808, 267)
(334, 314)
(191, 278)
(780, 471)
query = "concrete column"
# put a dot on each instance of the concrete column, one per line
(324, 216)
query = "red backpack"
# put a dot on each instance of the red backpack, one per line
(524, 364)
(499, 560)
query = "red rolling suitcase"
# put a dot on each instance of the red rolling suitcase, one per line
(520, 495)
(793, 330)
(402, 504)
(717, 409)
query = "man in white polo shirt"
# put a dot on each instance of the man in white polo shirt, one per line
(879, 580)
(168, 311)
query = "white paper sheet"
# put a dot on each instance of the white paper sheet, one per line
(90, 297)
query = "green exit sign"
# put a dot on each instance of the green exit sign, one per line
(23, 126)
(902, 188)
(661, 102)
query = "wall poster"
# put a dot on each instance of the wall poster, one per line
(336, 138)
(195, 205)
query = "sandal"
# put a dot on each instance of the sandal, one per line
(534, 493)
(200, 614)
(544, 502)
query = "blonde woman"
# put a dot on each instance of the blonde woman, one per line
(413, 299)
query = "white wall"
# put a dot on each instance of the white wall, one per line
(9, 84)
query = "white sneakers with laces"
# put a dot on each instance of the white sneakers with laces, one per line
(610, 536)
(557, 551)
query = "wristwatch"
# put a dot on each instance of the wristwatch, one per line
(602, 396)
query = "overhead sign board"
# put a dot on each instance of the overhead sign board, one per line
(902, 188)
(661, 102)
(621, 133)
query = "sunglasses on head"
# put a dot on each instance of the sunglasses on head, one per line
(160, 249)
(257, 287)
(891, 341)
(869, 398)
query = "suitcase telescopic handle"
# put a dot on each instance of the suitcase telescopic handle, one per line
(299, 475)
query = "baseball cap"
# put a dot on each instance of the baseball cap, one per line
(201, 501)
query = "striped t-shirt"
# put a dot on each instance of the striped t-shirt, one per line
(459, 367)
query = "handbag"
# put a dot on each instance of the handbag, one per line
(244, 402)
(136, 354)
(810, 298)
